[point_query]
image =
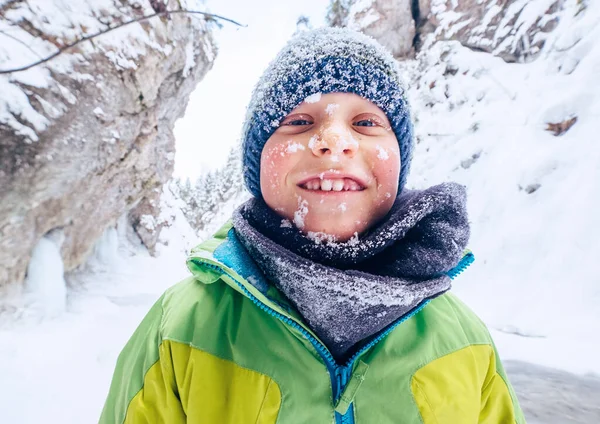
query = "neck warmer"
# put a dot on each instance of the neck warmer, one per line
(349, 291)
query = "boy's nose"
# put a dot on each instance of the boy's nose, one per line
(334, 142)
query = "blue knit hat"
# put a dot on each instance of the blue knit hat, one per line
(325, 60)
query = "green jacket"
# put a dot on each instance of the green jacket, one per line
(215, 349)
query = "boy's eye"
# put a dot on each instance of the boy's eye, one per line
(365, 123)
(368, 120)
(297, 122)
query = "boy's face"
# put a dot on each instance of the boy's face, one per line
(332, 166)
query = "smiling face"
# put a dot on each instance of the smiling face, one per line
(332, 166)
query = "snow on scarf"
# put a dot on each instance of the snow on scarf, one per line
(349, 291)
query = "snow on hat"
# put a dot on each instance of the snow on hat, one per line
(325, 60)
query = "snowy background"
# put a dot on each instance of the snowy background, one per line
(534, 202)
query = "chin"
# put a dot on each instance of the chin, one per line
(340, 231)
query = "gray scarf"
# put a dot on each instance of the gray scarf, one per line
(349, 291)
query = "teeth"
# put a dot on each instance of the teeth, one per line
(326, 185)
(332, 185)
(338, 185)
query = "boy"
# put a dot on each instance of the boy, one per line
(326, 298)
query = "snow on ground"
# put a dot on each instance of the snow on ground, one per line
(534, 197)
(63, 365)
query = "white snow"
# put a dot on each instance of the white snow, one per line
(148, 222)
(45, 285)
(294, 147)
(353, 240)
(321, 238)
(533, 197)
(98, 111)
(301, 213)
(314, 98)
(362, 14)
(190, 59)
(331, 108)
(106, 248)
(382, 153)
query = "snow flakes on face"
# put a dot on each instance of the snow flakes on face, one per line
(331, 108)
(313, 141)
(354, 240)
(382, 153)
(275, 150)
(314, 98)
(321, 238)
(342, 207)
(294, 147)
(301, 213)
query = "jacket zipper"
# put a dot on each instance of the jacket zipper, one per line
(338, 373)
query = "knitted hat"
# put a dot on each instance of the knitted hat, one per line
(325, 60)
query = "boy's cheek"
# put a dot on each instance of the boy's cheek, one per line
(269, 180)
(386, 155)
(275, 165)
(385, 166)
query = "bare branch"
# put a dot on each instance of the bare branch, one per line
(92, 36)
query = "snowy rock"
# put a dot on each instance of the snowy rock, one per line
(391, 23)
(514, 31)
(88, 135)
(148, 221)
